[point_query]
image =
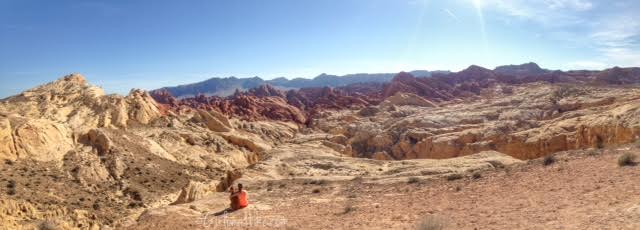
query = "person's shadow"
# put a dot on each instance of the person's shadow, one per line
(225, 211)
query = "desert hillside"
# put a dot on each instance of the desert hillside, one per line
(518, 147)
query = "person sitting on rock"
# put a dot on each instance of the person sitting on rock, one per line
(240, 199)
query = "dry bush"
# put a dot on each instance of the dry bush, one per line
(348, 208)
(455, 176)
(431, 223)
(627, 159)
(48, 225)
(548, 160)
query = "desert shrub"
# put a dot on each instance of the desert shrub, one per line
(11, 186)
(348, 208)
(476, 175)
(548, 160)
(627, 159)
(431, 223)
(317, 190)
(413, 180)
(48, 225)
(455, 176)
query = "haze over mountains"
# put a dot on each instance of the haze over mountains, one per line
(227, 86)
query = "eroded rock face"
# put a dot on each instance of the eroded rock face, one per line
(38, 139)
(112, 156)
(537, 120)
(7, 145)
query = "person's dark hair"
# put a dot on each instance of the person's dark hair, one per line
(239, 186)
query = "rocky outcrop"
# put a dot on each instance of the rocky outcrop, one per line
(71, 100)
(400, 99)
(214, 121)
(195, 190)
(47, 121)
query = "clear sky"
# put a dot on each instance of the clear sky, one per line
(122, 44)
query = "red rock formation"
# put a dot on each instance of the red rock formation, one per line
(267, 102)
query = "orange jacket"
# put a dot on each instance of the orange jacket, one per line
(242, 199)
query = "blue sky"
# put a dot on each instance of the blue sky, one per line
(121, 45)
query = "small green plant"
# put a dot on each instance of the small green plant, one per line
(548, 160)
(431, 223)
(413, 180)
(455, 176)
(627, 159)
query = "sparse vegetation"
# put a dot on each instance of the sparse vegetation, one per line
(413, 180)
(348, 208)
(96, 206)
(316, 182)
(11, 186)
(48, 225)
(548, 160)
(627, 159)
(316, 190)
(431, 223)
(454, 176)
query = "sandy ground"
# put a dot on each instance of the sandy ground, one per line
(581, 190)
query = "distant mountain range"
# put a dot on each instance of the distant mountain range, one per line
(526, 72)
(227, 86)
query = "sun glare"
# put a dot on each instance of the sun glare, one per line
(477, 3)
